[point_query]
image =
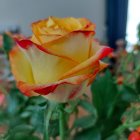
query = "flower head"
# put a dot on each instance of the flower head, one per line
(60, 59)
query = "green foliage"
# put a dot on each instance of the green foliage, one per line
(88, 120)
(8, 43)
(89, 134)
(109, 102)
(25, 116)
(138, 85)
(105, 95)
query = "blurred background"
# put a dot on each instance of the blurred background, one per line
(22, 13)
(114, 19)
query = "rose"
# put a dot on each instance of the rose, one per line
(60, 59)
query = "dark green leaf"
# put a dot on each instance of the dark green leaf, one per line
(85, 122)
(8, 43)
(128, 94)
(88, 107)
(88, 134)
(113, 137)
(138, 84)
(23, 136)
(105, 95)
(22, 128)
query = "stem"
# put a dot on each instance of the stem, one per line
(62, 125)
(123, 127)
(47, 116)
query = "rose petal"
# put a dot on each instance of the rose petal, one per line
(75, 46)
(46, 68)
(89, 64)
(61, 26)
(53, 28)
(21, 68)
(58, 91)
(102, 66)
(71, 24)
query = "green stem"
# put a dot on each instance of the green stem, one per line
(48, 113)
(62, 125)
(123, 127)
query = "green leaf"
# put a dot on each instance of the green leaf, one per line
(23, 136)
(105, 95)
(113, 137)
(89, 120)
(37, 100)
(128, 94)
(85, 122)
(28, 129)
(88, 107)
(8, 43)
(138, 84)
(88, 134)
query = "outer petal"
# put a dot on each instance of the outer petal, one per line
(87, 25)
(46, 68)
(75, 46)
(102, 66)
(60, 91)
(21, 67)
(89, 64)
(65, 92)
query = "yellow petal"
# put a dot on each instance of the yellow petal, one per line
(90, 65)
(72, 87)
(48, 29)
(21, 68)
(86, 24)
(46, 68)
(75, 46)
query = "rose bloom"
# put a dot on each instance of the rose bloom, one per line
(59, 60)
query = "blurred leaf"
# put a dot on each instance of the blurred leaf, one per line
(8, 43)
(128, 94)
(22, 128)
(138, 84)
(105, 94)
(88, 107)
(37, 100)
(88, 134)
(21, 132)
(113, 137)
(37, 119)
(88, 120)
(26, 114)
(85, 122)
(15, 101)
(22, 136)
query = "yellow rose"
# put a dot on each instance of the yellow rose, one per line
(60, 59)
